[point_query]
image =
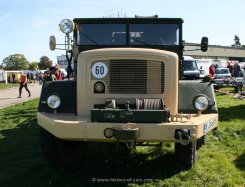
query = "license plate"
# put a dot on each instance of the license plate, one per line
(209, 125)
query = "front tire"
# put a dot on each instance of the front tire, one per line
(184, 154)
(61, 153)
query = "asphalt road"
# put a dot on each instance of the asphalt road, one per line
(9, 96)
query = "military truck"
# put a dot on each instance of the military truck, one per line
(126, 89)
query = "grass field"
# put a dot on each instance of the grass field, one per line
(6, 86)
(221, 163)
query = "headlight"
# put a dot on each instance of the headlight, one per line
(99, 87)
(201, 102)
(66, 26)
(53, 101)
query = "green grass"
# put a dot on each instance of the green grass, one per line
(9, 85)
(221, 163)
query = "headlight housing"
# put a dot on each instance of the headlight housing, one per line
(201, 102)
(66, 26)
(53, 101)
(99, 87)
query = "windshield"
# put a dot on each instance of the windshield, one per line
(138, 34)
(189, 65)
(101, 34)
(222, 71)
(154, 34)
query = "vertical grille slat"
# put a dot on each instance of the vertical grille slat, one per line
(162, 77)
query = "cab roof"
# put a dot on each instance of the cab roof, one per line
(129, 20)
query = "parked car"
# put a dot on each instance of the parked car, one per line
(222, 77)
(222, 73)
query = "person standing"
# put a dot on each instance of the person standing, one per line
(58, 74)
(28, 77)
(237, 70)
(40, 78)
(23, 83)
(230, 67)
(211, 70)
(13, 77)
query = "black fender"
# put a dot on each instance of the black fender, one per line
(65, 89)
(189, 89)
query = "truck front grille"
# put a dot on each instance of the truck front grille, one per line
(135, 77)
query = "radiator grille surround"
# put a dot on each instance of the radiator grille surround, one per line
(156, 71)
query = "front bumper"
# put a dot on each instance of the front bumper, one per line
(70, 127)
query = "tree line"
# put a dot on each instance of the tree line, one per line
(19, 62)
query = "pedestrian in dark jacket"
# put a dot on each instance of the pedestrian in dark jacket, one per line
(237, 70)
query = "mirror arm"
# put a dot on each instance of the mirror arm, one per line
(61, 49)
(192, 50)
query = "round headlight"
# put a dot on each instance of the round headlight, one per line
(201, 102)
(53, 101)
(99, 87)
(66, 26)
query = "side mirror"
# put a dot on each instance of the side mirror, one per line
(52, 43)
(204, 44)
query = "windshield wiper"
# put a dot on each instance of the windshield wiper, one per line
(144, 43)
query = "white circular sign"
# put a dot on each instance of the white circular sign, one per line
(99, 70)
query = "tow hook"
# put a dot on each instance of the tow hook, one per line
(183, 135)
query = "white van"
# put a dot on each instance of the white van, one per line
(190, 69)
(204, 64)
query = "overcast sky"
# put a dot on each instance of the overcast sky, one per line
(27, 24)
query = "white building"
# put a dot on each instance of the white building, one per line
(222, 53)
(2, 79)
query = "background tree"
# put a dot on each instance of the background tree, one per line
(237, 41)
(33, 66)
(44, 63)
(15, 62)
(1, 67)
